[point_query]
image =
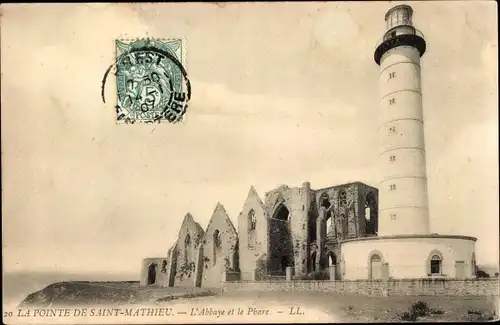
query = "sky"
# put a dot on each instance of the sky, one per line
(282, 93)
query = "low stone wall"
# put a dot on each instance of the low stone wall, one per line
(408, 287)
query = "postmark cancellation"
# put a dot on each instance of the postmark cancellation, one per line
(151, 81)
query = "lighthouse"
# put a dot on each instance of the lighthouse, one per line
(404, 247)
(403, 203)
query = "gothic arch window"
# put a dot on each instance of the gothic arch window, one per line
(324, 201)
(217, 244)
(282, 213)
(370, 214)
(342, 199)
(252, 220)
(329, 223)
(187, 243)
(435, 263)
(332, 259)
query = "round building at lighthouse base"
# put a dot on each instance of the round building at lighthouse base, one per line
(408, 257)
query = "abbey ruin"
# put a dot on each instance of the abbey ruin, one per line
(354, 231)
(295, 228)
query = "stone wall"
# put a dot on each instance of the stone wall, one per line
(220, 248)
(154, 271)
(186, 254)
(288, 212)
(252, 242)
(409, 256)
(416, 287)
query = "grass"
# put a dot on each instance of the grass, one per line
(419, 309)
(82, 293)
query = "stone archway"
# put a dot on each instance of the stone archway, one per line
(375, 266)
(280, 241)
(332, 259)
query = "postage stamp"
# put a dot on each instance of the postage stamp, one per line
(151, 82)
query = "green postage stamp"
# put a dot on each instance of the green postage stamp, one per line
(152, 84)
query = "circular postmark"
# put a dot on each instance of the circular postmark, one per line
(151, 83)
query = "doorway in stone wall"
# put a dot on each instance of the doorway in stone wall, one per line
(332, 262)
(375, 267)
(152, 273)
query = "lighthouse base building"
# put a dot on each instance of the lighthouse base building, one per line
(409, 257)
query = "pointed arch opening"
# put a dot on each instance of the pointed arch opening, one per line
(281, 250)
(217, 244)
(326, 204)
(370, 214)
(252, 225)
(332, 259)
(282, 213)
(187, 246)
(324, 201)
(252, 220)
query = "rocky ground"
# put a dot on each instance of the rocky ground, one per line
(318, 306)
(84, 293)
(355, 308)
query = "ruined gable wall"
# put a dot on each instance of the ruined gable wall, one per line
(289, 237)
(252, 243)
(225, 258)
(187, 252)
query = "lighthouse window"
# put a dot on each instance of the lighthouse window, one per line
(392, 129)
(393, 216)
(392, 187)
(392, 75)
(392, 158)
(392, 101)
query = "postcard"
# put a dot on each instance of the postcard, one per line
(254, 162)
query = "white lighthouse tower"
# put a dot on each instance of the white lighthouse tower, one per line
(403, 207)
(405, 246)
